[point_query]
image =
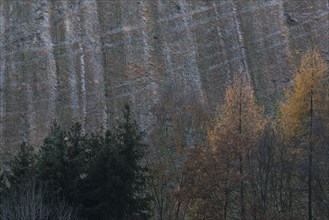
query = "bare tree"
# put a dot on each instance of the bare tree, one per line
(28, 202)
(180, 124)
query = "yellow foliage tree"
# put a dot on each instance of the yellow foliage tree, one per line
(236, 131)
(305, 108)
(241, 119)
(305, 100)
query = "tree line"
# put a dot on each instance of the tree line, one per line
(265, 167)
(77, 176)
(241, 164)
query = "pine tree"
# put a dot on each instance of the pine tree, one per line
(52, 162)
(113, 182)
(130, 151)
(23, 165)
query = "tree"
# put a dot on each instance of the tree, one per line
(237, 130)
(207, 186)
(60, 161)
(100, 175)
(216, 176)
(27, 201)
(115, 181)
(180, 123)
(23, 165)
(303, 111)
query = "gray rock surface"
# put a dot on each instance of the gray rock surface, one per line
(81, 60)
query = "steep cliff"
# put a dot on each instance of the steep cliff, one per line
(81, 59)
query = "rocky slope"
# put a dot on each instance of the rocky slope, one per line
(82, 59)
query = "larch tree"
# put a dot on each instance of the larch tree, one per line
(236, 132)
(304, 109)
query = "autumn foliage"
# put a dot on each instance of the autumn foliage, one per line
(309, 92)
(304, 121)
(262, 167)
(217, 180)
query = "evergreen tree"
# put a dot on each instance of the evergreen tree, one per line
(52, 165)
(101, 176)
(63, 161)
(23, 165)
(115, 181)
(130, 151)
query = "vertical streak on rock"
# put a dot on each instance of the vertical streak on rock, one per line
(151, 70)
(83, 85)
(15, 94)
(2, 101)
(147, 48)
(114, 54)
(29, 76)
(241, 43)
(126, 33)
(31, 113)
(73, 79)
(51, 64)
(169, 69)
(288, 59)
(82, 64)
(127, 29)
(220, 37)
(2, 74)
(146, 55)
(94, 68)
(192, 61)
(144, 34)
(102, 29)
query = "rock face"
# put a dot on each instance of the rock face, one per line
(82, 59)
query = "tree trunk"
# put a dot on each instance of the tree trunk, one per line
(242, 191)
(240, 158)
(310, 162)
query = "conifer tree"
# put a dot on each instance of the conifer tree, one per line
(235, 133)
(302, 113)
(129, 147)
(23, 165)
(52, 165)
(101, 176)
(114, 184)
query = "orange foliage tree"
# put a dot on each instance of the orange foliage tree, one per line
(237, 131)
(216, 175)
